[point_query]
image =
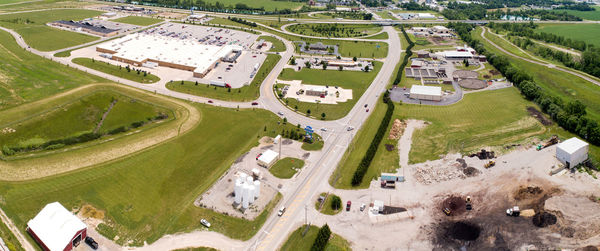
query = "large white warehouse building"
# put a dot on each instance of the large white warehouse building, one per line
(424, 92)
(572, 152)
(184, 54)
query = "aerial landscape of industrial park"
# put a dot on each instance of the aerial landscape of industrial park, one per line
(299, 125)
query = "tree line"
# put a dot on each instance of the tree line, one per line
(575, 6)
(407, 56)
(569, 115)
(462, 11)
(322, 238)
(218, 6)
(242, 21)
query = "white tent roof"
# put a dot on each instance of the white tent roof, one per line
(462, 54)
(572, 145)
(426, 90)
(55, 226)
(268, 156)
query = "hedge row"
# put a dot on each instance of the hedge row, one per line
(409, 53)
(322, 239)
(370, 154)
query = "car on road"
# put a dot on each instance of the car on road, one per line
(323, 129)
(350, 128)
(366, 105)
(210, 101)
(91, 242)
(362, 207)
(367, 110)
(280, 113)
(258, 156)
(254, 103)
(205, 223)
(348, 205)
(281, 211)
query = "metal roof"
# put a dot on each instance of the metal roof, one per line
(55, 226)
(426, 90)
(572, 145)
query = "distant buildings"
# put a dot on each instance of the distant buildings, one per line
(86, 27)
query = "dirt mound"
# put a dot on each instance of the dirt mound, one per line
(389, 147)
(528, 192)
(456, 204)
(472, 83)
(587, 248)
(464, 231)
(544, 219)
(471, 171)
(462, 162)
(539, 116)
(578, 213)
(397, 129)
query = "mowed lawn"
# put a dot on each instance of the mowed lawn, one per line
(25, 77)
(358, 81)
(136, 20)
(589, 33)
(334, 30)
(115, 70)
(286, 168)
(32, 27)
(268, 5)
(246, 93)
(151, 193)
(297, 242)
(277, 45)
(587, 15)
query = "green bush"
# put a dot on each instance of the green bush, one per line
(322, 239)
(336, 202)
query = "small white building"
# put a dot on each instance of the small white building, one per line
(440, 29)
(424, 92)
(420, 29)
(57, 229)
(268, 158)
(572, 152)
(378, 206)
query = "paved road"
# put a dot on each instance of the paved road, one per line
(574, 73)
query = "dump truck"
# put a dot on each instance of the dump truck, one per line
(491, 163)
(514, 211)
(552, 141)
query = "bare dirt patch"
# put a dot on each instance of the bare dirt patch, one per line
(456, 204)
(474, 84)
(533, 112)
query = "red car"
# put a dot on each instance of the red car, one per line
(254, 103)
(210, 101)
(367, 110)
(258, 156)
(348, 205)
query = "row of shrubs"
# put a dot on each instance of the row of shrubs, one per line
(569, 115)
(72, 140)
(407, 56)
(322, 239)
(364, 164)
(242, 21)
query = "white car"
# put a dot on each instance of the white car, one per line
(205, 223)
(350, 128)
(362, 207)
(280, 113)
(281, 211)
(324, 129)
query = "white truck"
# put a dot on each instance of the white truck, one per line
(514, 211)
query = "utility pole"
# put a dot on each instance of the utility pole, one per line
(306, 214)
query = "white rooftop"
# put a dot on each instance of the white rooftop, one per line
(438, 27)
(572, 145)
(55, 226)
(268, 156)
(140, 46)
(317, 88)
(457, 54)
(426, 90)
(426, 15)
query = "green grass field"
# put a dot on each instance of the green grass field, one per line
(78, 116)
(136, 20)
(589, 33)
(9, 238)
(246, 93)
(278, 45)
(117, 71)
(32, 27)
(286, 168)
(327, 205)
(587, 15)
(268, 5)
(558, 83)
(382, 35)
(358, 81)
(385, 15)
(25, 77)
(151, 193)
(297, 242)
(334, 30)
(23, 5)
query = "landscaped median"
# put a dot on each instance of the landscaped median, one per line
(302, 240)
(286, 168)
(127, 72)
(332, 204)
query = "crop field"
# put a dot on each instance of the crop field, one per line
(334, 30)
(278, 45)
(286, 168)
(589, 33)
(587, 15)
(246, 93)
(21, 5)
(115, 70)
(558, 83)
(25, 77)
(83, 115)
(136, 20)
(268, 5)
(150, 193)
(358, 81)
(297, 242)
(32, 27)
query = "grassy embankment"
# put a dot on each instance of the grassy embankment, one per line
(32, 27)
(115, 70)
(246, 93)
(25, 77)
(278, 45)
(151, 193)
(358, 81)
(334, 30)
(286, 168)
(297, 242)
(136, 20)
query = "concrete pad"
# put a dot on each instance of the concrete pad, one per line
(331, 98)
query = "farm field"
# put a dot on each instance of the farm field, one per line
(151, 192)
(21, 5)
(286, 168)
(32, 27)
(79, 116)
(587, 15)
(297, 242)
(558, 83)
(25, 77)
(589, 33)
(334, 30)
(268, 5)
(115, 70)
(278, 45)
(358, 81)
(246, 93)
(136, 20)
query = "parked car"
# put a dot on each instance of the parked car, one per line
(205, 223)
(350, 128)
(281, 211)
(362, 207)
(280, 113)
(366, 105)
(254, 103)
(210, 101)
(323, 129)
(91, 242)
(348, 205)
(258, 156)
(367, 110)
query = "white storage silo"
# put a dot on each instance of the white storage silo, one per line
(243, 176)
(249, 180)
(251, 193)
(256, 188)
(237, 190)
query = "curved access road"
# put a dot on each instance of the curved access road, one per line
(574, 73)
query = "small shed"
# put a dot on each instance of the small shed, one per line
(268, 158)
(424, 92)
(57, 229)
(572, 152)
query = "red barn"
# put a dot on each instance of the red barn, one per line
(57, 229)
